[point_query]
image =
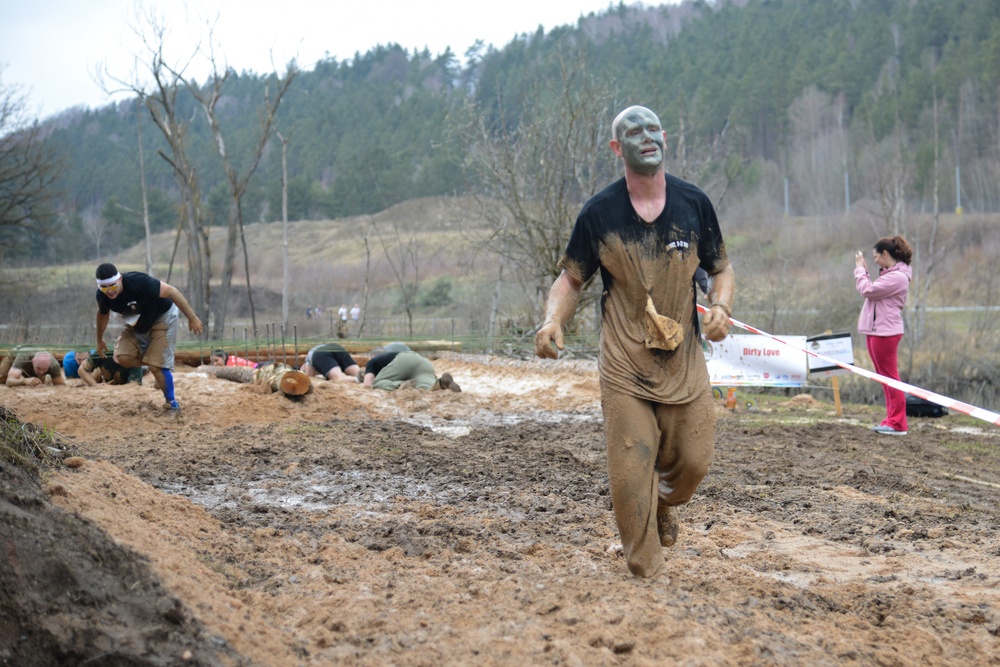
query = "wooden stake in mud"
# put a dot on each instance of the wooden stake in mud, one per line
(284, 357)
(836, 389)
(279, 377)
(836, 397)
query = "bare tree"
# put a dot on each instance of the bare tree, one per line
(208, 97)
(95, 226)
(285, 269)
(369, 272)
(888, 160)
(713, 165)
(927, 252)
(534, 177)
(160, 99)
(893, 182)
(817, 152)
(885, 167)
(28, 168)
(145, 197)
(404, 255)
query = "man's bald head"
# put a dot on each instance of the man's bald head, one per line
(635, 111)
(40, 363)
(639, 140)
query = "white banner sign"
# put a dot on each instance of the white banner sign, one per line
(757, 361)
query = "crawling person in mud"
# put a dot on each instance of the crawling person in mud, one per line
(397, 366)
(648, 233)
(97, 368)
(222, 358)
(30, 368)
(331, 361)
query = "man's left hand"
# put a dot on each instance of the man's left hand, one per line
(716, 324)
(195, 325)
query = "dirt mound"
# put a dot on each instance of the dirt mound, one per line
(72, 595)
(803, 400)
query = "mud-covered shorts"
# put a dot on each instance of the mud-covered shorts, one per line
(155, 347)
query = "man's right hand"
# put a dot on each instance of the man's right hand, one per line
(102, 349)
(549, 333)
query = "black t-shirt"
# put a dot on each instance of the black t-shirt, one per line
(658, 260)
(116, 373)
(376, 364)
(140, 295)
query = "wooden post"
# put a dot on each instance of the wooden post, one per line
(836, 390)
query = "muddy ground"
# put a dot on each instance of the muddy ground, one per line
(435, 528)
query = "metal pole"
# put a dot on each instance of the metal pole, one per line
(836, 389)
(847, 193)
(786, 195)
(958, 190)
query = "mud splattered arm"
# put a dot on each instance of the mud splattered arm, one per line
(722, 295)
(563, 299)
(102, 324)
(87, 376)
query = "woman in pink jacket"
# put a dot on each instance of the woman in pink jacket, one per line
(881, 320)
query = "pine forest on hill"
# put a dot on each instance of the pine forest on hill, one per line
(800, 88)
(815, 125)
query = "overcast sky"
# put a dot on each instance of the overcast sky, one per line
(50, 49)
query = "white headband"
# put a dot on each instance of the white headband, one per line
(108, 281)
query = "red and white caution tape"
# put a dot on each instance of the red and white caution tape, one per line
(950, 403)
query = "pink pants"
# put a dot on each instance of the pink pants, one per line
(882, 350)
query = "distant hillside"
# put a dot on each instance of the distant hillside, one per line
(427, 244)
(428, 238)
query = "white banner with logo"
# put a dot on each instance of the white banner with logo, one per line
(757, 361)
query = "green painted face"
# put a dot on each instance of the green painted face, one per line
(640, 137)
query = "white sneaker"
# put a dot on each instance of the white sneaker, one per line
(887, 430)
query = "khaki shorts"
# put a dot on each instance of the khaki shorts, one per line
(155, 347)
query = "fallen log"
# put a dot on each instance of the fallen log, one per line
(295, 355)
(279, 377)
